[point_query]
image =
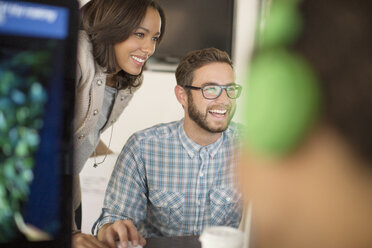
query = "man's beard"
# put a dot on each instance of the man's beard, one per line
(201, 119)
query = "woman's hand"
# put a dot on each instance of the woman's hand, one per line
(82, 240)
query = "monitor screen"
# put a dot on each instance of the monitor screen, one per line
(195, 24)
(36, 85)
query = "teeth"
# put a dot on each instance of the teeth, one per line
(138, 59)
(217, 111)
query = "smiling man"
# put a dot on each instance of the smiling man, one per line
(174, 179)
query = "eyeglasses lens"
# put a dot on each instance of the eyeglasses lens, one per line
(212, 91)
(232, 92)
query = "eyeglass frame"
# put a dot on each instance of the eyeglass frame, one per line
(222, 87)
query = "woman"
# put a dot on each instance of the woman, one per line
(116, 39)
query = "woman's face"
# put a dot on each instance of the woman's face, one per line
(132, 53)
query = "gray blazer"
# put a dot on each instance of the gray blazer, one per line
(89, 93)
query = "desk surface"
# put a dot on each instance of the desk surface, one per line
(174, 242)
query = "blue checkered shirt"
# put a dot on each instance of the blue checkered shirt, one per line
(170, 186)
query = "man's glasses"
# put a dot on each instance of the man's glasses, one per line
(211, 92)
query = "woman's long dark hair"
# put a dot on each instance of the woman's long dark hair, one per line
(108, 22)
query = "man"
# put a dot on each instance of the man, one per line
(177, 178)
(313, 188)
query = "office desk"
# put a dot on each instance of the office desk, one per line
(174, 242)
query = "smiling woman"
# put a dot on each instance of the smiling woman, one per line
(132, 53)
(117, 38)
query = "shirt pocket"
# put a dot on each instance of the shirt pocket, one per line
(167, 208)
(225, 207)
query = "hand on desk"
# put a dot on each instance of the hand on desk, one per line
(118, 245)
(122, 230)
(82, 240)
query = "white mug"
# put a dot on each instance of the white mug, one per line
(221, 237)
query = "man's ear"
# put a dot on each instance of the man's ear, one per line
(181, 95)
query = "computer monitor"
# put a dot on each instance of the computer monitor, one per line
(192, 25)
(37, 75)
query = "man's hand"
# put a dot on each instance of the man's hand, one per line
(82, 240)
(122, 230)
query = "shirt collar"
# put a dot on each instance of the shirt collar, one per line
(192, 148)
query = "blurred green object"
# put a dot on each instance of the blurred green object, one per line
(283, 97)
(283, 100)
(281, 26)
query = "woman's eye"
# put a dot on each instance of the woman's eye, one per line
(140, 35)
(155, 38)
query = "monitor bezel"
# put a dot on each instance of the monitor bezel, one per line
(63, 238)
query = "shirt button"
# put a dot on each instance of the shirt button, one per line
(99, 82)
(122, 98)
(81, 136)
(201, 174)
(228, 198)
(95, 112)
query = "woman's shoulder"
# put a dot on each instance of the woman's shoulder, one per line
(84, 50)
(82, 35)
(85, 59)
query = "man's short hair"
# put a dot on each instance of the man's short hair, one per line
(197, 59)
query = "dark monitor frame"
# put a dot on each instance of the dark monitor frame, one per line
(63, 238)
(171, 49)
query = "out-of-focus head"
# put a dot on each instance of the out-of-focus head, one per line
(306, 165)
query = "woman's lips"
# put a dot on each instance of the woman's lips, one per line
(139, 60)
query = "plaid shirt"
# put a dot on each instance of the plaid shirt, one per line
(170, 186)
